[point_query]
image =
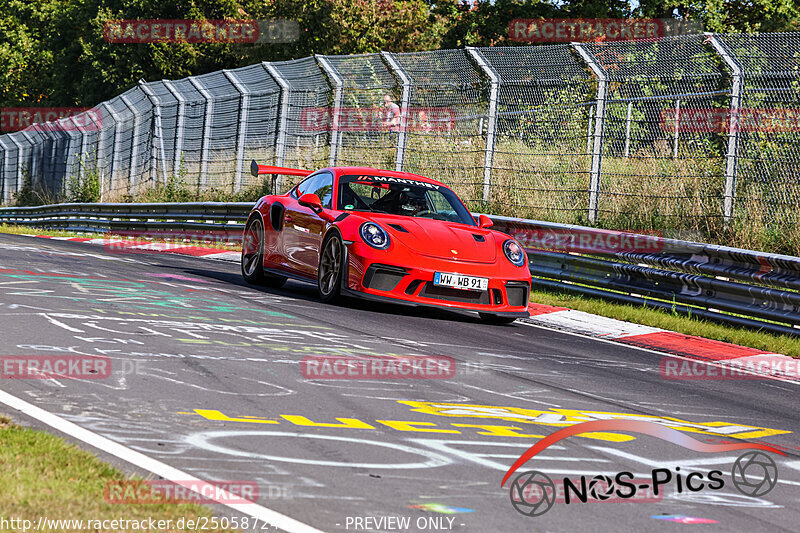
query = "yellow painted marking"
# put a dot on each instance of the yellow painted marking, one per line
(352, 423)
(498, 431)
(557, 417)
(210, 414)
(403, 425)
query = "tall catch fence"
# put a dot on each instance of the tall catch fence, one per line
(688, 133)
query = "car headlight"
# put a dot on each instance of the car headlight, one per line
(374, 235)
(514, 252)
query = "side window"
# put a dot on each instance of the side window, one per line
(323, 188)
(305, 186)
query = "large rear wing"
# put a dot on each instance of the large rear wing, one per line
(257, 170)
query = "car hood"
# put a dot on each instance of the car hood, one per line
(440, 239)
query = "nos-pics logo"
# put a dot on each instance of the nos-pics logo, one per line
(533, 493)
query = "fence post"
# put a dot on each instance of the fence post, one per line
(628, 130)
(241, 132)
(156, 103)
(677, 129)
(4, 167)
(732, 154)
(491, 125)
(338, 97)
(204, 142)
(115, 147)
(283, 121)
(180, 121)
(395, 67)
(599, 125)
(19, 172)
(82, 153)
(34, 160)
(137, 126)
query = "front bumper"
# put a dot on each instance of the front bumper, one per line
(507, 295)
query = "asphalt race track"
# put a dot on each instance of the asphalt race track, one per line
(206, 377)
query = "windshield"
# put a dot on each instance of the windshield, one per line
(401, 196)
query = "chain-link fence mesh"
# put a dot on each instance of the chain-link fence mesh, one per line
(768, 152)
(653, 165)
(541, 163)
(366, 80)
(626, 134)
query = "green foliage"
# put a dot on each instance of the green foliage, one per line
(52, 52)
(30, 193)
(84, 189)
(174, 190)
(734, 16)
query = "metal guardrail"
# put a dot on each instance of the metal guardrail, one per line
(199, 217)
(721, 284)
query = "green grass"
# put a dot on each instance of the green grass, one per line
(43, 475)
(673, 322)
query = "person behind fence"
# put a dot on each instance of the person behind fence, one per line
(423, 124)
(391, 114)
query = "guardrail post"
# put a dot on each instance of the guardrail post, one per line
(491, 123)
(338, 97)
(204, 142)
(156, 103)
(599, 125)
(241, 132)
(395, 67)
(137, 126)
(180, 125)
(115, 149)
(732, 154)
(283, 122)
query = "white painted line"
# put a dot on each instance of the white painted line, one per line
(158, 468)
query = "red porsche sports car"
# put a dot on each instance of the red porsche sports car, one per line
(384, 235)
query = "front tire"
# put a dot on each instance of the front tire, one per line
(497, 320)
(332, 263)
(253, 256)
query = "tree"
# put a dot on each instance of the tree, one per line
(729, 16)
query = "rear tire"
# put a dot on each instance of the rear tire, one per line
(497, 320)
(332, 265)
(253, 256)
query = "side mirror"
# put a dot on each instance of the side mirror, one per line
(313, 202)
(485, 222)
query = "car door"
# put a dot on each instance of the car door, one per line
(303, 228)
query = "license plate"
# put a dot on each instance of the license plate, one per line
(459, 281)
